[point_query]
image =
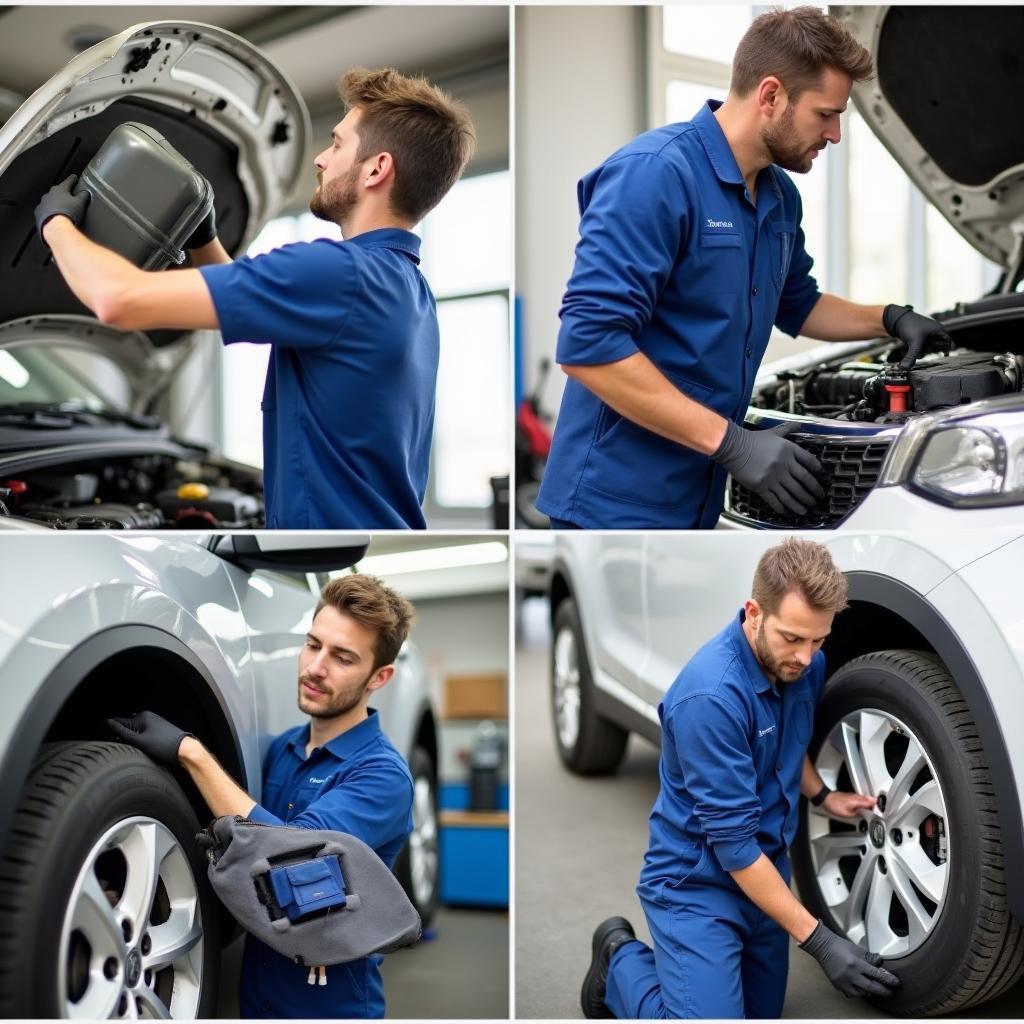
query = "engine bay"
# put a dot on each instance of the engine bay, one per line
(872, 389)
(150, 492)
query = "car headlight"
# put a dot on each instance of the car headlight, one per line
(977, 462)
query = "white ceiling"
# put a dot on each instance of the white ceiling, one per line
(33, 40)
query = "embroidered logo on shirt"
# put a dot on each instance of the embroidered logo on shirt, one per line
(719, 223)
(764, 732)
(313, 778)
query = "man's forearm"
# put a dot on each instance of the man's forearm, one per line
(222, 794)
(635, 388)
(766, 889)
(836, 319)
(97, 276)
(209, 254)
(810, 780)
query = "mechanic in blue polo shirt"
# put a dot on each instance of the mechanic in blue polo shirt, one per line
(338, 772)
(715, 881)
(690, 250)
(348, 408)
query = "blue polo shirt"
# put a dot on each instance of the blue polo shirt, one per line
(348, 407)
(675, 260)
(732, 752)
(357, 783)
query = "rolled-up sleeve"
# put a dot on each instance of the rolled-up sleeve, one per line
(373, 804)
(631, 228)
(800, 291)
(709, 737)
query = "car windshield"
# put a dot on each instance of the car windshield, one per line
(52, 376)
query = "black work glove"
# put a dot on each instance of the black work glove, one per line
(778, 470)
(918, 333)
(206, 230)
(59, 202)
(851, 968)
(152, 734)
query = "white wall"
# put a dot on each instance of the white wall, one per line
(579, 96)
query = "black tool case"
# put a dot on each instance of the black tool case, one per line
(147, 199)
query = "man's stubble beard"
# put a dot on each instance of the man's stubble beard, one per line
(769, 662)
(784, 148)
(338, 199)
(342, 703)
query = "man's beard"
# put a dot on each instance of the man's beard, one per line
(342, 701)
(787, 672)
(337, 199)
(785, 148)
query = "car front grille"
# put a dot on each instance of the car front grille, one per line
(850, 468)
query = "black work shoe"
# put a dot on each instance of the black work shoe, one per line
(608, 936)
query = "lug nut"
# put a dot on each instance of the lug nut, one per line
(110, 968)
(881, 865)
(897, 836)
(122, 1006)
(863, 826)
(880, 802)
(147, 944)
(126, 930)
(148, 978)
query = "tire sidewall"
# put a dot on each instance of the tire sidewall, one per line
(422, 766)
(567, 617)
(864, 684)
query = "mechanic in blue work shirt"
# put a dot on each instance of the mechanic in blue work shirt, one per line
(348, 406)
(715, 882)
(338, 772)
(690, 249)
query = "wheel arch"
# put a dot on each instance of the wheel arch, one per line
(105, 675)
(886, 613)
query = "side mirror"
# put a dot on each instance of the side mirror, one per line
(306, 552)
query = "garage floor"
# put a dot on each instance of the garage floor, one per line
(579, 846)
(461, 972)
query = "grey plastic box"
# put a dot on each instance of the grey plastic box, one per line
(147, 199)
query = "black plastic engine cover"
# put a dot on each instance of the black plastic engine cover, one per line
(956, 380)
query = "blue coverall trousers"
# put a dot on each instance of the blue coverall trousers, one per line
(715, 956)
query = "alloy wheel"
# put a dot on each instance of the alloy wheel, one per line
(567, 695)
(423, 842)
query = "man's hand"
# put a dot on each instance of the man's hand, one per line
(918, 333)
(59, 202)
(152, 734)
(763, 460)
(851, 968)
(846, 805)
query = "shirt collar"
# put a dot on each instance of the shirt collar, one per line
(716, 145)
(389, 238)
(755, 673)
(348, 742)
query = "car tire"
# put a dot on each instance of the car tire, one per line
(104, 892)
(588, 743)
(418, 865)
(899, 719)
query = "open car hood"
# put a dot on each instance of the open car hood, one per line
(945, 102)
(210, 93)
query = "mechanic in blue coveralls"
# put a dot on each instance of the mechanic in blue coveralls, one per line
(690, 250)
(348, 407)
(338, 772)
(715, 882)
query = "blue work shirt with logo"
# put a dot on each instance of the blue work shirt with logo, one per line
(675, 261)
(348, 406)
(357, 783)
(732, 752)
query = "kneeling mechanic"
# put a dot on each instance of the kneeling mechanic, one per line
(715, 881)
(339, 772)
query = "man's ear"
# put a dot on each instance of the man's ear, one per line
(752, 610)
(381, 677)
(772, 97)
(382, 169)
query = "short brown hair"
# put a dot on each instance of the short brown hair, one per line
(796, 46)
(803, 566)
(375, 606)
(429, 135)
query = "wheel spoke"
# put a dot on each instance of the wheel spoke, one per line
(151, 1003)
(850, 913)
(929, 877)
(919, 921)
(913, 762)
(849, 747)
(919, 805)
(94, 917)
(144, 847)
(874, 730)
(878, 933)
(173, 939)
(833, 845)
